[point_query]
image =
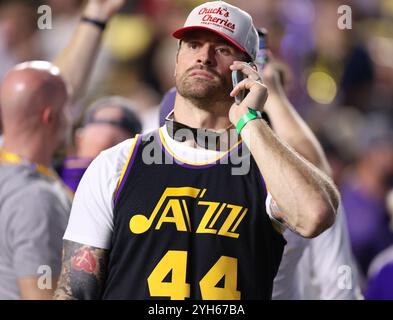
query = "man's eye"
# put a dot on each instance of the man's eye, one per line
(193, 45)
(223, 50)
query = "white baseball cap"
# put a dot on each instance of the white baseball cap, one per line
(226, 20)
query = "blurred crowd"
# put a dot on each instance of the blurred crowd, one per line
(339, 80)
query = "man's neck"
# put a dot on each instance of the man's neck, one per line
(39, 153)
(213, 125)
(215, 117)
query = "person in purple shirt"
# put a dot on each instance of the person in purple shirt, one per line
(380, 273)
(107, 122)
(380, 287)
(363, 197)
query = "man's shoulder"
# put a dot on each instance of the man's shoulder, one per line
(116, 152)
(22, 180)
(108, 165)
(38, 192)
(27, 206)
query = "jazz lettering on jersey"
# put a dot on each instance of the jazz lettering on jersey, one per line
(172, 208)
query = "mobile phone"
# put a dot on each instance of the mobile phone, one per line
(238, 76)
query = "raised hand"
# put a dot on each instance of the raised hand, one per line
(102, 10)
(257, 96)
(274, 76)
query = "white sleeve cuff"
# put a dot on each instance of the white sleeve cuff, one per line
(97, 243)
(276, 223)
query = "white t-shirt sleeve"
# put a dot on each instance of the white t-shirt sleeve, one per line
(91, 218)
(333, 272)
(269, 204)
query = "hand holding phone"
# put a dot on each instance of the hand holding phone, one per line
(261, 60)
(238, 76)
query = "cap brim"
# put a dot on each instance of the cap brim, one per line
(180, 33)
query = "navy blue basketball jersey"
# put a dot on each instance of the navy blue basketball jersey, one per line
(190, 231)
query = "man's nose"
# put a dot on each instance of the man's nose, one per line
(206, 55)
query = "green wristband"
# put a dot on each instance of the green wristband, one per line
(252, 114)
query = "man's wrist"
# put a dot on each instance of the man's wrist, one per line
(95, 22)
(240, 112)
(247, 117)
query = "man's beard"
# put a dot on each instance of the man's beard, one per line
(204, 92)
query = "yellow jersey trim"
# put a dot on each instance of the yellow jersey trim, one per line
(194, 163)
(123, 171)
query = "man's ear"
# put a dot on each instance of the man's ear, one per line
(47, 115)
(177, 55)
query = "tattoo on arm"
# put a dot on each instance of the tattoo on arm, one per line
(83, 272)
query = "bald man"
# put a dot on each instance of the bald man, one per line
(34, 205)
